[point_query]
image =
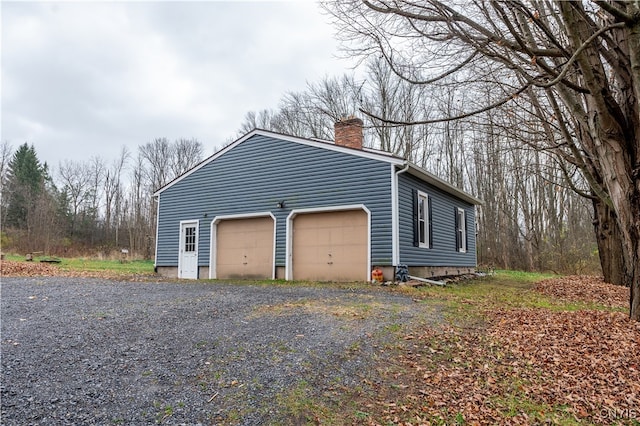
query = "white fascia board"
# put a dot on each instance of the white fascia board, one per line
(441, 184)
(205, 162)
(365, 152)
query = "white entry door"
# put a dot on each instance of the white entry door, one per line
(188, 260)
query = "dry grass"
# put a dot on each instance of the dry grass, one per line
(342, 309)
(504, 360)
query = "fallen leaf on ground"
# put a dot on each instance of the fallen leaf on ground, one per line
(584, 288)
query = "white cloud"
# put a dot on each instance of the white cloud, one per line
(83, 79)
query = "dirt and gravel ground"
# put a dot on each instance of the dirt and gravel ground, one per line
(95, 351)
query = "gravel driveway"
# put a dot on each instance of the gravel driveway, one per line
(88, 351)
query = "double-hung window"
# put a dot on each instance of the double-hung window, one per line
(461, 230)
(422, 216)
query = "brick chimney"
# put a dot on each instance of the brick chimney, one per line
(348, 132)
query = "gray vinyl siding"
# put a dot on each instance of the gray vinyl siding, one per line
(443, 252)
(260, 172)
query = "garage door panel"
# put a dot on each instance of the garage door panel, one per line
(244, 248)
(306, 234)
(352, 234)
(330, 246)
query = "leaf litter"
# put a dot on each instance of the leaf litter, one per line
(10, 268)
(581, 288)
(522, 366)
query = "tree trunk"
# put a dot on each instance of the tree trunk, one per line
(631, 217)
(610, 245)
(635, 277)
(634, 199)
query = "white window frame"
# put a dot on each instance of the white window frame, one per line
(190, 242)
(462, 229)
(425, 213)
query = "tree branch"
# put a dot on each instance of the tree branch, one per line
(572, 186)
(432, 80)
(617, 13)
(576, 54)
(453, 16)
(395, 123)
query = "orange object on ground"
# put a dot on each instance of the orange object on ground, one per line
(377, 275)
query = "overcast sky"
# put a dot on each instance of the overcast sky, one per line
(83, 79)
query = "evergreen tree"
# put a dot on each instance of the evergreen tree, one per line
(25, 182)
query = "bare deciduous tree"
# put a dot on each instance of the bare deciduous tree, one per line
(581, 59)
(113, 194)
(186, 153)
(6, 153)
(76, 185)
(158, 155)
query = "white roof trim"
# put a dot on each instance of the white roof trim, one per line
(366, 152)
(441, 184)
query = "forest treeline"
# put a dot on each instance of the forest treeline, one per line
(531, 219)
(91, 207)
(560, 77)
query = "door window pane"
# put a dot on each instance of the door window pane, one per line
(190, 239)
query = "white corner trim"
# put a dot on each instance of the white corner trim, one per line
(289, 234)
(395, 214)
(155, 257)
(213, 241)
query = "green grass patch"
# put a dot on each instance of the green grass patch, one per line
(301, 407)
(357, 307)
(85, 264)
(513, 405)
(466, 301)
(521, 276)
(97, 265)
(14, 257)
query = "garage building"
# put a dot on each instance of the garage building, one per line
(276, 206)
